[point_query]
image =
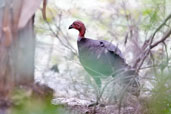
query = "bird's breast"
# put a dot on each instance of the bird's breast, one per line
(96, 61)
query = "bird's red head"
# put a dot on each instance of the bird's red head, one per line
(78, 25)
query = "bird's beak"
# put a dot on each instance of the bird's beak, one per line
(70, 27)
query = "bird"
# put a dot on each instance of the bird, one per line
(100, 58)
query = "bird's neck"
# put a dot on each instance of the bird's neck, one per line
(79, 38)
(81, 33)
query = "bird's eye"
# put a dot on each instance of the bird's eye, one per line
(76, 25)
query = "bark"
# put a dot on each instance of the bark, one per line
(17, 48)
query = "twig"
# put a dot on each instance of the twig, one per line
(56, 35)
(64, 36)
(164, 22)
(44, 9)
(167, 55)
(162, 39)
(68, 45)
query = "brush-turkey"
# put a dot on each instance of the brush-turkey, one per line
(101, 58)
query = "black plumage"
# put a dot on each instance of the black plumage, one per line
(101, 58)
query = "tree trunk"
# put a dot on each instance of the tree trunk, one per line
(17, 48)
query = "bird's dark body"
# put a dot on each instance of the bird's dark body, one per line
(100, 58)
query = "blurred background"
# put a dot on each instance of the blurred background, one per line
(36, 47)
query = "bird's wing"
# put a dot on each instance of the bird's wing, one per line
(112, 48)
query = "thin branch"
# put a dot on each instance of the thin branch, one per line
(167, 55)
(68, 45)
(57, 36)
(162, 39)
(58, 27)
(150, 41)
(164, 22)
(44, 9)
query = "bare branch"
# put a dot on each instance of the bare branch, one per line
(58, 27)
(164, 22)
(57, 36)
(162, 39)
(150, 45)
(44, 9)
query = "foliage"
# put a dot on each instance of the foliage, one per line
(25, 103)
(159, 101)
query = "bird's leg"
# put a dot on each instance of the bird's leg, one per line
(98, 82)
(98, 92)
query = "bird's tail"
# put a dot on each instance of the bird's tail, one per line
(130, 80)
